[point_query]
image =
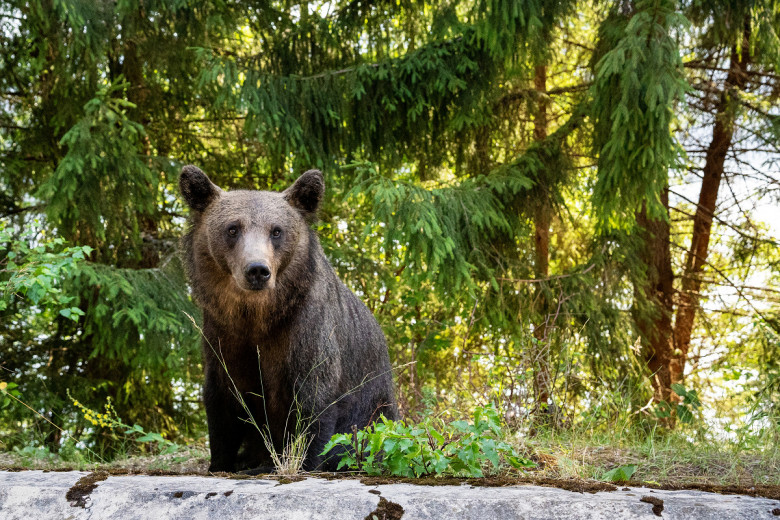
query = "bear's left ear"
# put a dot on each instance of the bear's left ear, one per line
(305, 194)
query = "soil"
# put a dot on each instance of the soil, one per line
(577, 485)
(572, 484)
(79, 493)
(289, 479)
(580, 486)
(386, 510)
(772, 492)
(658, 504)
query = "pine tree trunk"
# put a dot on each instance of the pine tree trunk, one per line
(138, 94)
(655, 323)
(722, 136)
(542, 220)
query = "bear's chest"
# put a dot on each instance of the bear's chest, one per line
(259, 375)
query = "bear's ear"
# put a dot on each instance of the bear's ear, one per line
(196, 188)
(305, 194)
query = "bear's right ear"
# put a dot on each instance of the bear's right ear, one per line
(196, 188)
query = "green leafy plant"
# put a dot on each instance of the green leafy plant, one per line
(37, 266)
(429, 448)
(110, 419)
(8, 393)
(620, 474)
(689, 404)
(37, 453)
(685, 409)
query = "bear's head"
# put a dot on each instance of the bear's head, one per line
(251, 235)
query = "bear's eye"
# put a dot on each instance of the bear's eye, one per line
(232, 231)
(276, 233)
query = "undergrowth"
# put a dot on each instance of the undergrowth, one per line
(619, 449)
(657, 456)
(429, 448)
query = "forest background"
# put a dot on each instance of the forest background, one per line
(569, 209)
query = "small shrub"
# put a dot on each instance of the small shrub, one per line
(31, 452)
(415, 450)
(685, 409)
(619, 474)
(37, 271)
(110, 419)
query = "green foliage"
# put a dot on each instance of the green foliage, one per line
(36, 268)
(766, 400)
(507, 27)
(109, 419)
(313, 118)
(8, 393)
(102, 157)
(37, 453)
(429, 448)
(87, 149)
(449, 226)
(135, 313)
(685, 409)
(428, 120)
(638, 81)
(689, 404)
(620, 474)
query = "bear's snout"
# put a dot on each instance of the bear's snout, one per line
(257, 274)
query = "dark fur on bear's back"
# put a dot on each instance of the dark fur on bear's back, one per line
(296, 343)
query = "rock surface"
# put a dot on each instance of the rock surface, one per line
(42, 495)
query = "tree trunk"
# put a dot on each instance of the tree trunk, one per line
(542, 220)
(655, 322)
(138, 94)
(722, 135)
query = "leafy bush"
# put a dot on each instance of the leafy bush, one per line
(620, 474)
(110, 419)
(685, 409)
(415, 450)
(8, 393)
(37, 266)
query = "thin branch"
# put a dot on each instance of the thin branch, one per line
(729, 283)
(549, 278)
(17, 210)
(723, 222)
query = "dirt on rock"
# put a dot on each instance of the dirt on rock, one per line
(658, 504)
(79, 493)
(570, 484)
(772, 492)
(386, 510)
(573, 484)
(289, 479)
(577, 485)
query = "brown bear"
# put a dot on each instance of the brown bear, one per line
(281, 332)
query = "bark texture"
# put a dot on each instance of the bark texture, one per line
(655, 323)
(542, 222)
(722, 137)
(666, 341)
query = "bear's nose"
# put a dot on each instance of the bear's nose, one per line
(257, 274)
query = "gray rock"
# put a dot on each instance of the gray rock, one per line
(39, 495)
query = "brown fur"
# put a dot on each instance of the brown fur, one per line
(297, 342)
